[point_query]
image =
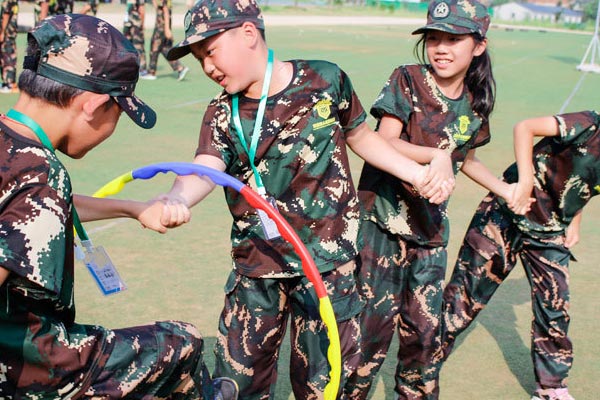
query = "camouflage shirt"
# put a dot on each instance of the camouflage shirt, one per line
(36, 300)
(566, 174)
(429, 119)
(303, 162)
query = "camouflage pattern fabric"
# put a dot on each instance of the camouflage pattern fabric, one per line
(43, 352)
(112, 70)
(566, 176)
(159, 43)
(412, 236)
(403, 286)
(304, 165)
(458, 17)
(487, 256)
(430, 119)
(62, 7)
(133, 29)
(253, 324)
(210, 17)
(566, 171)
(9, 45)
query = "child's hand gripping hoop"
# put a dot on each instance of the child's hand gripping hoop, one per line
(255, 200)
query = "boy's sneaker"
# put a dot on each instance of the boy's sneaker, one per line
(552, 394)
(225, 389)
(182, 73)
(148, 76)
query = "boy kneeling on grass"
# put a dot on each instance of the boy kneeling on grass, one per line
(79, 74)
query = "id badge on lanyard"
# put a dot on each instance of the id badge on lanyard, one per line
(95, 259)
(269, 226)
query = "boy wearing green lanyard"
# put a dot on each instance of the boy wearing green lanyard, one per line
(79, 74)
(281, 127)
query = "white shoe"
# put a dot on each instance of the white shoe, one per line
(552, 394)
(181, 74)
(148, 76)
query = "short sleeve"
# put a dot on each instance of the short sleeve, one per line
(352, 113)
(394, 98)
(32, 244)
(483, 136)
(577, 128)
(214, 133)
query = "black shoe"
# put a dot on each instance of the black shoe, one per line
(225, 389)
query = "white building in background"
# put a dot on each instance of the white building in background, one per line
(535, 12)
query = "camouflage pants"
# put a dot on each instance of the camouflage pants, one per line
(135, 34)
(487, 256)
(8, 60)
(403, 287)
(253, 324)
(159, 361)
(161, 45)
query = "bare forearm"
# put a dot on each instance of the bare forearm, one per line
(94, 209)
(376, 151)
(420, 154)
(524, 133)
(390, 129)
(480, 174)
(191, 189)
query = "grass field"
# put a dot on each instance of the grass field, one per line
(181, 275)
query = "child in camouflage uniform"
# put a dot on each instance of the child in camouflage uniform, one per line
(563, 169)
(437, 113)
(62, 7)
(91, 6)
(79, 75)
(162, 41)
(296, 158)
(133, 29)
(41, 9)
(8, 46)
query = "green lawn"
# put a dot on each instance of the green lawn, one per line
(181, 275)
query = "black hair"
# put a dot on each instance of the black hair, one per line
(479, 79)
(40, 87)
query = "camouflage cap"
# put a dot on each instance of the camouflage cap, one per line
(210, 17)
(90, 54)
(457, 16)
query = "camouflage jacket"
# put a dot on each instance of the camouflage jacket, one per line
(40, 346)
(429, 119)
(303, 162)
(566, 174)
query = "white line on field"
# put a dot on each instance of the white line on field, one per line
(107, 226)
(577, 86)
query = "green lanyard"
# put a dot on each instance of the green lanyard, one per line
(37, 129)
(257, 123)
